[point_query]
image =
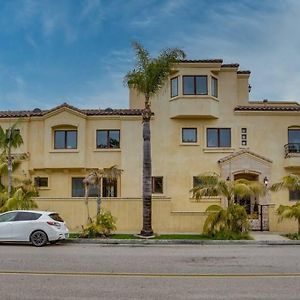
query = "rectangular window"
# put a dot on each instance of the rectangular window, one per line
(78, 188)
(214, 87)
(294, 195)
(218, 137)
(294, 136)
(108, 139)
(65, 139)
(109, 187)
(174, 87)
(41, 181)
(189, 135)
(195, 85)
(157, 185)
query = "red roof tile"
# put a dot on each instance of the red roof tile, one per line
(88, 112)
(268, 108)
(217, 60)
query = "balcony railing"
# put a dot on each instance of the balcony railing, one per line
(291, 148)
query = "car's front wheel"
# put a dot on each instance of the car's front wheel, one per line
(39, 238)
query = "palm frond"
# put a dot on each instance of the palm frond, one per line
(150, 73)
(289, 182)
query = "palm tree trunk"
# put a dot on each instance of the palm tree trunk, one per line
(9, 167)
(147, 166)
(99, 200)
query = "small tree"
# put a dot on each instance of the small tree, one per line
(232, 219)
(210, 185)
(229, 221)
(290, 212)
(10, 139)
(147, 78)
(21, 197)
(290, 182)
(94, 179)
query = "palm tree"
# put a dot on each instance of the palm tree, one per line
(148, 77)
(290, 182)
(94, 179)
(290, 212)
(9, 139)
(4, 165)
(229, 220)
(213, 185)
(232, 219)
(22, 196)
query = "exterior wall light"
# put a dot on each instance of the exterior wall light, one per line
(266, 181)
(249, 87)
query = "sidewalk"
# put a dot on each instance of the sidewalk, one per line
(267, 236)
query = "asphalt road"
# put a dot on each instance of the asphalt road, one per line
(81, 271)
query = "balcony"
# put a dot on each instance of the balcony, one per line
(292, 155)
(196, 107)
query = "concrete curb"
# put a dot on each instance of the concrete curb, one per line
(178, 242)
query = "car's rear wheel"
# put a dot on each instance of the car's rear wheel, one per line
(39, 238)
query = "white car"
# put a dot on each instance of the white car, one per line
(37, 227)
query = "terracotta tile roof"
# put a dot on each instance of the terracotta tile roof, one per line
(244, 72)
(88, 112)
(295, 107)
(230, 65)
(216, 60)
(243, 151)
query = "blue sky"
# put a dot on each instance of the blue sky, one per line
(78, 51)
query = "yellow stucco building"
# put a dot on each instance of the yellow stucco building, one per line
(203, 122)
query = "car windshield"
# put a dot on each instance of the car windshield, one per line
(56, 217)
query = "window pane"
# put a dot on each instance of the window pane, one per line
(225, 137)
(201, 85)
(294, 136)
(8, 217)
(189, 135)
(27, 216)
(59, 139)
(102, 141)
(109, 187)
(294, 195)
(41, 181)
(114, 139)
(174, 87)
(214, 87)
(212, 137)
(56, 217)
(188, 85)
(77, 187)
(71, 139)
(157, 185)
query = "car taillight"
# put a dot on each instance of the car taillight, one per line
(53, 223)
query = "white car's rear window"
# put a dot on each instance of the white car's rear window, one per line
(56, 217)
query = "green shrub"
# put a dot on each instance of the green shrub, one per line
(101, 226)
(293, 236)
(228, 223)
(229, 235)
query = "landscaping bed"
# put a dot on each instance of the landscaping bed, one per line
(171, 237)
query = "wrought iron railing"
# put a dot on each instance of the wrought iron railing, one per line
(291, 148)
